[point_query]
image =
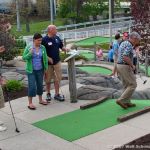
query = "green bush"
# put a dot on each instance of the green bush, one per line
(20, 43)
(14, 85)
(10, 54)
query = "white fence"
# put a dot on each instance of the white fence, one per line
(90, 29)
(96, 31)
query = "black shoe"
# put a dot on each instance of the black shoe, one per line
(48, 97)
(59, 98)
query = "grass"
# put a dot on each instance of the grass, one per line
(34, 27)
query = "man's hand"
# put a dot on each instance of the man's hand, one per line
(133, 67)
(50, 60)
(2, 49)
(65, 49)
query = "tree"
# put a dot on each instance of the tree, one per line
(140, 10)
(6, 39)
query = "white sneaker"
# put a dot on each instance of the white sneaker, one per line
(1, 123)
(3, 129)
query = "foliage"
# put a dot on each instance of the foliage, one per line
(94, 8)
(140, 11)
(14, 85)
(20, 43)
(7, 40)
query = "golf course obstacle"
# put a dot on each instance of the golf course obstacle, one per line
(96, 102)
(72, 75)
(133, 114)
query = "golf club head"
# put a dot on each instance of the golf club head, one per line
(144, 81)
(17, 130)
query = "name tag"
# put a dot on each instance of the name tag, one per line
(50, 43)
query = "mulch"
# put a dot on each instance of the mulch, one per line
(142, 143)
(15, 94)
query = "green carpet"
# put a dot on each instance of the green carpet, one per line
(80, 123)
(90, 41)
(143, 68)
(95, 69)
(88, 55)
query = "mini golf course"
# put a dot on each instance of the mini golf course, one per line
(95, 69)
(80, 123)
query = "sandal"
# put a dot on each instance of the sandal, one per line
(43, 102)
(31, 107)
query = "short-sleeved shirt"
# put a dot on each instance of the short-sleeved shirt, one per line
(115, 47)
(52, 45)
(125, 49)
(99, 53)
(110, 54)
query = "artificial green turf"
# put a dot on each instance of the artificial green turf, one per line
(91, 41)
(95, 69)
(143, 68)
(79, 123)
(88, 55)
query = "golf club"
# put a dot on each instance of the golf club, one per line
(144, 81)
(63, 97)
(11, 110)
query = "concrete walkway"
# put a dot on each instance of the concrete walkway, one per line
(32, 138)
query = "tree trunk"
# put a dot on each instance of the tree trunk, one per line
(112, 8)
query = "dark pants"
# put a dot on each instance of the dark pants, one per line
(35, 83)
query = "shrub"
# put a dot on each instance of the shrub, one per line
(20, 43)
(14, 85)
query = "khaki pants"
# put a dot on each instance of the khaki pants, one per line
(129, 82)
(1, 98)
(51, 74)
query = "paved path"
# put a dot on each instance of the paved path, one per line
(32, 138)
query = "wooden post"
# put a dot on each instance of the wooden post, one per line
(95, 58)
(72, 80)
(146, 62)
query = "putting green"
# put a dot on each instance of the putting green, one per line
(95, 69)
(80, 123)
(91, 41)
(143, 68)
(89, 55)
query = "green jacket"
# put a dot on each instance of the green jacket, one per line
(27, 56)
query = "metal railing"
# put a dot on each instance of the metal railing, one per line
(89, 24)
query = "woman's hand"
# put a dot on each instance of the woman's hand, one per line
(45, 74)
(31, 50)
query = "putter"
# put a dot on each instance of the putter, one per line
(11, 110)
(63, 97)
(144, 81)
